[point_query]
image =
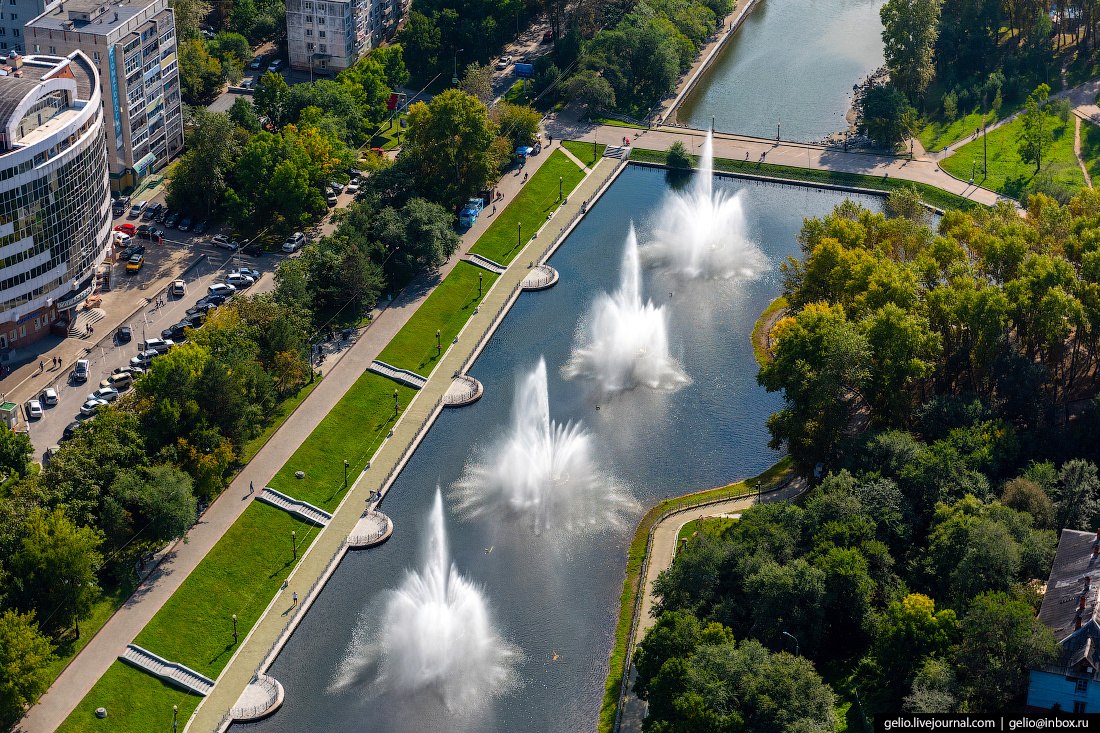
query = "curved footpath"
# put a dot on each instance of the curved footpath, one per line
(92, 661)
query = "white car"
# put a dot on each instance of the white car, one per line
(91, 407)
(353, 188)
(294, 242)
(143, 359)
(238, 280)
(107, 394)
(49, 397)
(221, 289)
(178, 288)
(34, 410)
(251, 272)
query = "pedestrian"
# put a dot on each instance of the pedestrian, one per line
(494, 208)
(746, 155)
(295, 596)
(251, 488)
(549, 139)
(525, 178)
(42, 365)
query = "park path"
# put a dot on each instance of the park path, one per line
(324, 553)
(93, 661)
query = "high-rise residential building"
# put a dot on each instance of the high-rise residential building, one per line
(13, 14)
(55, 200)
(133, 45)
(328, 36)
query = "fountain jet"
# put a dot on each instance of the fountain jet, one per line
(436, 633)
(542, 471)
(701, 232)
(625, 339)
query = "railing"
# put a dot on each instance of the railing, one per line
(254, 711)
(467, 394)
(419, 431)
(366, 539)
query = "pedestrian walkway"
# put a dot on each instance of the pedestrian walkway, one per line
(89, 665)
(318, 561)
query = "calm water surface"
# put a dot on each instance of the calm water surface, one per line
(792, 63)
(552, 595)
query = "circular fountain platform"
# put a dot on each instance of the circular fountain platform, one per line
(262, 697)
(464, 390)
(540, 277)
(373, 528)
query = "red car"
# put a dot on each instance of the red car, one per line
(126, 228)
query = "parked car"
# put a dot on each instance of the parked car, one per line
(90, 407)
(252, 272)
(468, 216)
(151, 211)
(184, 224)
(143, 230)
(134, 265)
(124, 334)
(131, 370)
(548, 36)
(202, 226)
(176, 332)
(128, 229)
(336, 187)
(155, 234)
(294, 242)
(239, 281)
(136, 209)
(275, 66)
(330, 199)
(143, 359)
(122, 240)
(221, 289)
(256, 63)
(160, 345)
(34, 410)
(118, 381)
(119, 205)
(107, 394)
(69, 430)
(223, 242)
(504, 63)
(353, 187)
(178, 288)
(172, 219)
(48, 397)
(163, 214)
(81, 370)
(133, 249)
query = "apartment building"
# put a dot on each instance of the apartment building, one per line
(133, 45)
(328, 36)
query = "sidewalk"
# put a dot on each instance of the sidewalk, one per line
(90, 664)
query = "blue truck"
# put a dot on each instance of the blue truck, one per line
(468, 216)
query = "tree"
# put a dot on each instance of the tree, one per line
(26, 656)
(160, 502)
(1078, 495)
(477, 81)
(201, 75)
(909, 631)
(934, 688)
(392, 60)
(421, 41)
(590, 89)
(15, 451)
(883, 113)
(1024, 495)
(678, 157)
(517, 123)
(270, 97)
(449, 143)
(200, 179)
(233, 51)
(54, 569)
(1034, 138)
(909, 32)
(189, 16)
(243, 115)
(1001, 640)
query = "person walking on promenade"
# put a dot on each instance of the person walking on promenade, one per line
(295, 597)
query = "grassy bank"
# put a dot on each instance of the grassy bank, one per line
(1090, 150)
(134, 701)
(447, 309)
(938, 134)
(249, 450)
(636, 554)
(584, 151)
(1008, 174)
(929, 194)
(529, 209)
(762, 327)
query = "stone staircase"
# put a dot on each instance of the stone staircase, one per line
(300, 509)
(616, 151)
(485, 263)
(86, 317)
(170, 672)
(401, 376)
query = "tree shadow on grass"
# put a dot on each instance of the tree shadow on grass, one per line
(222, 653)
(1016, 185)
(288, 564)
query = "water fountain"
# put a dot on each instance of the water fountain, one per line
(436, 635)
(542, 471)
(625, 340)
(701, 233)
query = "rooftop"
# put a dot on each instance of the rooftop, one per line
(22, 77)
(1070, 604)
(89, 16)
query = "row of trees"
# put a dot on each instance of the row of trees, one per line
(131, 479)
(934, 373)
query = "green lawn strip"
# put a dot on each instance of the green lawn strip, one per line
(584, 151)
(351, 431)
(447, 309)
(532, 205)
(636, 554)
(135, 701)
(249, 450)
(1090, 150)
(931, 195)
(617, 123)
(1008, 174)
(758, 334)
(938, 134)
(714, 526)
(240, 575)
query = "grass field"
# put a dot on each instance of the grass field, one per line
(584, 151)
(134, 701)
(1008, 174)
(759, 343)
(447, 309)
(938, 134)
(1090, 150)
(929, 194)
(636, 554)
(714, 526)
(528, 210)
(352, 431)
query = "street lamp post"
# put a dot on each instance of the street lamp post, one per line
(559, 188)
(345, 473)
(175, 717)
(479, 285)
(438, 344)
(234, 629)
(294, 542)
(519, 232)
(454, 79)
(797, 650)
(777, 126)
(396, 403)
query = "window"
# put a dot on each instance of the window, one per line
(321, 34)
(309, 6)
(309, 18)
(320, 20)
(1078, 707)
(1082, 687)
(95, 56)
(309, 47)
(309, 31)
(15, 32)
(324, 48)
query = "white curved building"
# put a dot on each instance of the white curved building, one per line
(55, 202)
